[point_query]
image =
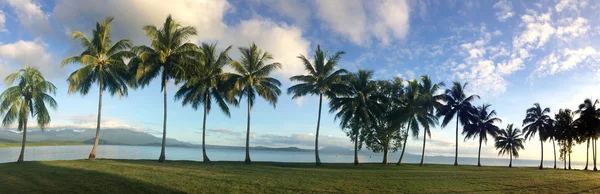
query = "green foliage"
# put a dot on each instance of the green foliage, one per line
(509, 141)
(252, 76)
(482, 123)
(206, 80)
(360, 105)
(101, 62)
(537, 121)
(322, 78)
(30, 96)
(168, 56)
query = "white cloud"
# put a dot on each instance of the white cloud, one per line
(572, 28)
(16, 55)
(564, 5)
(359, 21)
(346, 17)
(300, 101)
(567, 59)
(284, 41)
(31, 16)
(505, 8)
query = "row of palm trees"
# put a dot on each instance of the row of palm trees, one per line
(378, 113)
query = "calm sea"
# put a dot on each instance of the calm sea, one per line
(195, 154)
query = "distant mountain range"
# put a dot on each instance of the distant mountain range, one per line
(129, 137)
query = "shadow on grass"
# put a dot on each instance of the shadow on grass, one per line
(37, 177)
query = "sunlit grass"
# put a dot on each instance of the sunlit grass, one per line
(134, 176)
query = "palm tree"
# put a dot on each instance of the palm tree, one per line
(102, 63)
(413, 112)
(252, 78)
(322, 79)
(432, 102)
(481, 124)
(588, 124)
(30, 95)
(457, 104)
(538, 121)
(359, 107)
(207, 83)
(509, 141)
(565, 130)
(167, 57)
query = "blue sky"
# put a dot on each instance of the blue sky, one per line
(512, 53)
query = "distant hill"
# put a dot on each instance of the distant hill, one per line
(108, 136)
(116, 137)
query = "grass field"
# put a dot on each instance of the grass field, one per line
(18, 144)
(142, 176)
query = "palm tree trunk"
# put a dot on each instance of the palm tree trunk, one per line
(554, 146)
(542, 159)
(456, 149)
(22, 155)
(569, 160)
(317, 159)
(587, 155)
(97, 138)
(162, 157)
(404, 145)
(565, 159)
(248, 161)
(385, 155)
(204, 156)
(595, 152)
(479, 153)
(510, 163)
(356, 150)
(423, 153)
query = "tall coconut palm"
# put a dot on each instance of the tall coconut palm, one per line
(482, 123)
(102, 63)
(458, 105)
(588, 124)
(509, 141)
(322, 79)
(538, 121)
(167, 57)
(253, 79)
(29, 96)
(207, 83)
(565, 131)
(432, 102)
(413, 112)
(358, 107)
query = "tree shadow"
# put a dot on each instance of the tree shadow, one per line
(37, 177)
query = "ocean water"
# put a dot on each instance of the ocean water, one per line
(195, 154)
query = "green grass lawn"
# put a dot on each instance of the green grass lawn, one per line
(18, 144)
(142, 176)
